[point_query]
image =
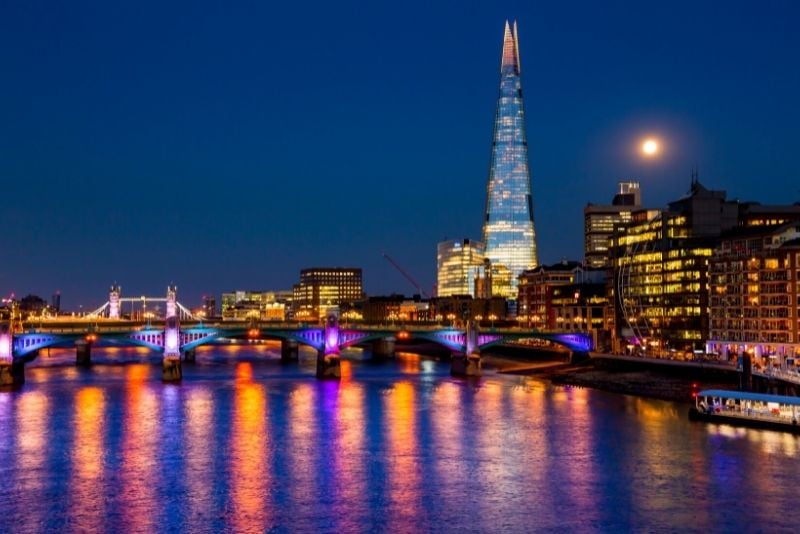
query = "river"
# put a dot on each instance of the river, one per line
(247, 444)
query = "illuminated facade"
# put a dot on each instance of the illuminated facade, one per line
(661, 282)
(396, 309)
(461, 268)
(599, 222)
(537, 287)
(581, 308)
(257, 305)
(755, 294)
(661, 267)
(508, 229)
(325, 288)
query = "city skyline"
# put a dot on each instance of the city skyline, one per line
(172, 160)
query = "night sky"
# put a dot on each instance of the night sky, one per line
(222, 146)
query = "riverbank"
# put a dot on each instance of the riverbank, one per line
(652, 383)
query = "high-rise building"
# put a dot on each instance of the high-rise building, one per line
(599, 222)
(508, 230)
(324, 288)
(461, 268)
(661, 266)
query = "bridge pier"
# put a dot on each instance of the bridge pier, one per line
(12, 374)
(171, 364)
(83, 353)
(171, 370)
(290, 351)
(468, 363)
(383, 348)
(328, 357)
(189, 355)
(465, 364)
(328, 366)
(12, 370)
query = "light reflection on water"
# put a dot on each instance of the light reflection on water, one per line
(248, 444)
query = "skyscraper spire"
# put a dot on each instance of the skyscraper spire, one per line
(508, 230)
(510, 49)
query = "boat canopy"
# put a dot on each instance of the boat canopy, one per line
(747, 395)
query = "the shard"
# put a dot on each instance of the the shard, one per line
(508, 230)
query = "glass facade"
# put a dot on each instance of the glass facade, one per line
(460, 268)
(508, 230)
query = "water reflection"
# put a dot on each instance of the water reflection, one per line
(303, 446)
(350, 453)
(199, 460)
(139, 469)
(409, 362)
(402, 454)
(254, 445)
(88, 452)
(31, 453)
(250, 474)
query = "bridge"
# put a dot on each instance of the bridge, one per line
(177, 341)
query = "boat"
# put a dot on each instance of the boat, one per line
(743, 408)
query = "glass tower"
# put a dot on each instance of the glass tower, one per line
(508, 232)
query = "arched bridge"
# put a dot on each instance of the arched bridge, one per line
(178, 341)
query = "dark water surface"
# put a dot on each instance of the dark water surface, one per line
(246, 444)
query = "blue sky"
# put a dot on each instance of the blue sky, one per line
(223, 145)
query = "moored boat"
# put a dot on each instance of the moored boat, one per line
(743, 408)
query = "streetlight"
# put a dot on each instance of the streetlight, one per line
(492, 318)
(452, 317)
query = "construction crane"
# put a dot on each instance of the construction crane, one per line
(405, 275)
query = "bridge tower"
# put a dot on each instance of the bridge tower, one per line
(113, 302)
(172, 302)
(171, 371)
(468, 363)
(328, 357)
(12, 372)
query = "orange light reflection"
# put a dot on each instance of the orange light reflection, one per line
(403, 475)
(139, 450)
(87, 458)
(249, 468)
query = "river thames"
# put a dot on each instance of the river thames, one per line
(247, 444)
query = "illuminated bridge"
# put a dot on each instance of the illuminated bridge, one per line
(177, 340)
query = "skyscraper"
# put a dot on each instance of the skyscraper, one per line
(508, 231)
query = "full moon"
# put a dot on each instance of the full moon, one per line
(650, 147)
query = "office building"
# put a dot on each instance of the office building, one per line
(461, 269)
(326, 289)
(508, 227)
(660, 262)
(599, 222)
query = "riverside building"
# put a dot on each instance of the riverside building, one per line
(660, 262)
(537, 287)
(324, 289)
(508, 229)
(755, 295)
(462, 269)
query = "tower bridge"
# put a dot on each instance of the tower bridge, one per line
(177, 337)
